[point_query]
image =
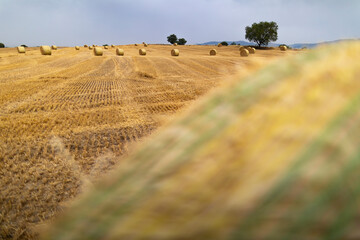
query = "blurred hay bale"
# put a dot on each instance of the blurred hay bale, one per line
(85, 46)
(45, 50)
(213, 52)
(244, 53)
(120, 52)
(175, 52)
(54, 47)
(211, 174)
(21, 49)
(251, 50)
(98, 51)
(142, 52)
(77, 48)
(283, 48)
(91, 47)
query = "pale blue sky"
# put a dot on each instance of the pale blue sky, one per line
(78, 22)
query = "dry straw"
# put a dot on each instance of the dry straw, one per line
(251, 50)
(21, 49)
(175, 44)
(244, 53)
(219, 45)
(45, 50)
(136, 44)
(85, 45)
(145, 44)
(54, 47)
(106, 47)
(77, 48)
(283, 48)
(98, 51)
(112, 45)
(120, 52)
(175, 52)
(142, 51)
(241, 48)
(91, 47)
(213, 52)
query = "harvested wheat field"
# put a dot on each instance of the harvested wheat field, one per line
(68, 118)
(274, 155)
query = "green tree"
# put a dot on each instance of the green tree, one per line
(233, 43)
(2, 45)
(262, 33)
(181, 41)
(23, 45)
(224, 43)
(172, 38)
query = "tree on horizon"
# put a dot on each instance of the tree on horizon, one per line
(262, 33)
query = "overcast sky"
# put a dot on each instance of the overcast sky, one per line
(78, 22)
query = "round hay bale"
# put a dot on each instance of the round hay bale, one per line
(45, 50)
(94, 45)
(85, 45)
(219, 45)
(77, 48)
(91, 47)
(213, 52)
(175, 52)
(283, 48)
(112, 45)
(106, 47)
(142, 51)
(244, 53)
(145, 44)
(251, 50)
(120, 52)
(136, 44)
(241, 48)
(98, 51)
(54, 47)
(21, 49)
(175, 44)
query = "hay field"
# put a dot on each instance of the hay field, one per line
(66, 119)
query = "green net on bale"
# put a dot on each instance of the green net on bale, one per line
(273, 156)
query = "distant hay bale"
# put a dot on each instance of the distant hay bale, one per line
(219, 45)
(120, 52)
(91, 47)
(251, 50)
(244, 53)
(145, 44)
(94, 45)
(142, 51)
(283, 48)
(175, 44)
(77, 48)
(241, 48)
(98, 51)
(112, 45)
(21, 49)
(54, 47)
(213, 52)
(136, 44)
(85, 45)
(45, 50)
(106, 47)
(175, 52)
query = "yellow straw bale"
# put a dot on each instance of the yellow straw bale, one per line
(213, 52)
(54, 47)
(98, 51)
(251, 50)
(142, 51)
(91, 47)
(45, 50)
(106, 47)
(85, 45)
(120, 52)
(21, 49)
(283, 48)
(175, 52)
(77, 48)
(244, 53)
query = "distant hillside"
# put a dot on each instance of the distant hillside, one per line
(295, 45)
